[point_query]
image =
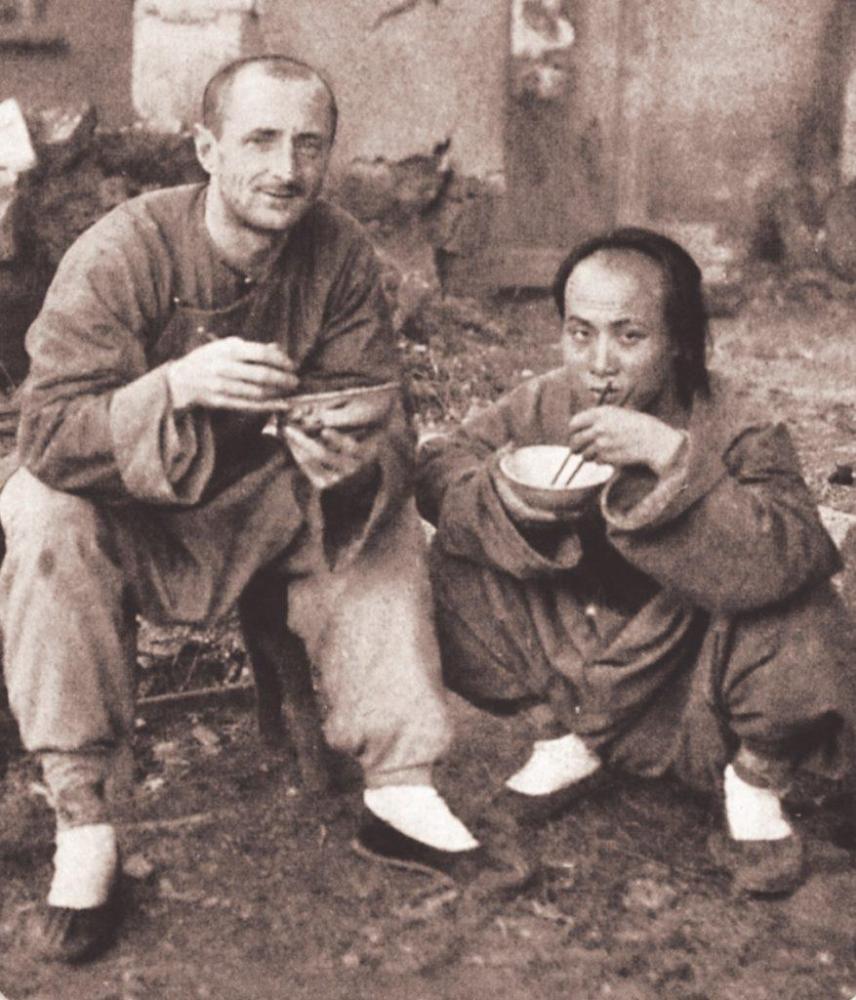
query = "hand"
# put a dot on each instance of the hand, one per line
(619, 436)
(518, 510)
(232, 374)
(332, 457)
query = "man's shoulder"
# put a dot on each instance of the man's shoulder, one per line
(153, 216)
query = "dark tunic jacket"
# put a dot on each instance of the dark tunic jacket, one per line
(619, 602)
(145, 285)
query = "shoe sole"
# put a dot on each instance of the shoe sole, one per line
(401, 864)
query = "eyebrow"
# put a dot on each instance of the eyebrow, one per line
(628, 321)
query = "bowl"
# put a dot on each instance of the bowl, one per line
(358, 408)
(530, 470)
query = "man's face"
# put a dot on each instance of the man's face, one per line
(614, 330)
(268, 164)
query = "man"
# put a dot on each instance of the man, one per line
(684, 623)
(172, 330)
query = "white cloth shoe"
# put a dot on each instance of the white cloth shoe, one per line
(554, 765)
(420, 812)
(85, 865)
(753, 813)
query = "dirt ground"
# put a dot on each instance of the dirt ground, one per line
(245, 887)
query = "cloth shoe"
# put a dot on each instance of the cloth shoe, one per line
(81, 914)
(480, 868)
(760, 867)
(62, 934)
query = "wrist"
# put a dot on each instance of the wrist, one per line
(179, 395)
(671, 447)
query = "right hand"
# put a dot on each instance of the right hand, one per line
(232, 374)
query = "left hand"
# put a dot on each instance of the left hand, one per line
(330, 457)
(619, 436)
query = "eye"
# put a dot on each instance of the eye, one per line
(310, 145)
(633, 335)
(578, 334)
(260, 138)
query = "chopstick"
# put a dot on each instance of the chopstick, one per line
(601, 397)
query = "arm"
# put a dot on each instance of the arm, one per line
(94, 419)
(456, 489)
(361, 477)
(731, 529)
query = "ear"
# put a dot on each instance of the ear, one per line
(206, 148)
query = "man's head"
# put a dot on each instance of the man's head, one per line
(645, 291)
(267, 130)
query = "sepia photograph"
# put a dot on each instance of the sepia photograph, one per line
(427, 500)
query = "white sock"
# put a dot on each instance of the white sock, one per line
(554, 765)
(85, 865)
(421, 813)
(753, 813)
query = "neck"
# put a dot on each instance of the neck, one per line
(245, 248)
(668, 408)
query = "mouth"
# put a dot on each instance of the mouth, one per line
(606, 393)
(284, 196)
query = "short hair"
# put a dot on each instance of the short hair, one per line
(277, 66)
(684, 309)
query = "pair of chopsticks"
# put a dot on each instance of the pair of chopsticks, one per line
(553, 482)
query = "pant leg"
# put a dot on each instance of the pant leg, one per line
(67, 621)
(773, 690)
(369, 630)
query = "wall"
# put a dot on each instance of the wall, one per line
(95, 67)
(409, 75)
(732, 85)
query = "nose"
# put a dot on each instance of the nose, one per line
(603, 359)
(285, 163)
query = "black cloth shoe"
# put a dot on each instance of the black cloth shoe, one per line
(61, 934)
(534, 810)
(480, 868)
(760, 867)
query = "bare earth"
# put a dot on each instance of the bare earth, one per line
(246, 887)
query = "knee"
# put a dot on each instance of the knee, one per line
(791, 668)
(30, 509)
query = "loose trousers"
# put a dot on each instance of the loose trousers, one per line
(77, 572)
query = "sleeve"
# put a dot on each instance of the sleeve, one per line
(94, 419)
(730, 532)
(455, 492)
(357, 343)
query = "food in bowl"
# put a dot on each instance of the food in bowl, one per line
(529, 471)
(353, 409)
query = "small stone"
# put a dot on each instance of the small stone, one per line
(351, 960)
(16, 147)
(208, 739)
(649, 894)
(138, 867)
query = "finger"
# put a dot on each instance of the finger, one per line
(584, 419)
(341, 443)
(254, 352)
(583, 439)
(264, 376)
(310, 448)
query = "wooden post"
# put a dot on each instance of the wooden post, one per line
(636, 86)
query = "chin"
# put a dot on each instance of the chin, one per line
(278, 220)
